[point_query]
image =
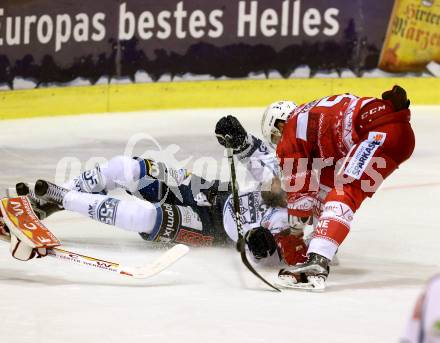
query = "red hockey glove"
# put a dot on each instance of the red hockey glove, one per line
(292, 248)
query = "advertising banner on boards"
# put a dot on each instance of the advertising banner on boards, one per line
(57, 42)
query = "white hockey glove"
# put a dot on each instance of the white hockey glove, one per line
(24, 252)
(19, 250)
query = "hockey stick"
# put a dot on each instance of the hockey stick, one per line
(143, 272)
(241, 244)
(17, 215)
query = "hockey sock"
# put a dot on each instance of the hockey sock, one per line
(333, 227)
(128, 215)
(120, 171)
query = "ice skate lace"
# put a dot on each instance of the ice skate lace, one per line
(33, 198)
(56, 193)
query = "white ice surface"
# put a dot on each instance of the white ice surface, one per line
(209, 296)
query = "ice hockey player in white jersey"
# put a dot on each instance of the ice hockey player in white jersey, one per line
(424, 324)
(196, 218)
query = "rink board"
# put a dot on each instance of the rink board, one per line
(199, 94)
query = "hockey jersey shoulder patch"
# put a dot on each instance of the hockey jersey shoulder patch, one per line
(363, 154)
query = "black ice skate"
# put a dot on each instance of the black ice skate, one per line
(310, 275)
(42, 209)
(50, 192)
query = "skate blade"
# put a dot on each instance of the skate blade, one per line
(315, 284)
(335, 261)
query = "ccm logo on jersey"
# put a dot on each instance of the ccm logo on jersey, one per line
(373, 111)
(363, 154)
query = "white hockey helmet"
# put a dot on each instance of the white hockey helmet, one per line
(279, 110)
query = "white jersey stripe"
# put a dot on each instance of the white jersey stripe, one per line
(301, 128)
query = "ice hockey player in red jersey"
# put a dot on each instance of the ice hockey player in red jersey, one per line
(334, 153)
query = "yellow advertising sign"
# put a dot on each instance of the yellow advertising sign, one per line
(413, 36)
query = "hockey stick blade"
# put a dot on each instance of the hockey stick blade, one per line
(164, 261)
(251, 268)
